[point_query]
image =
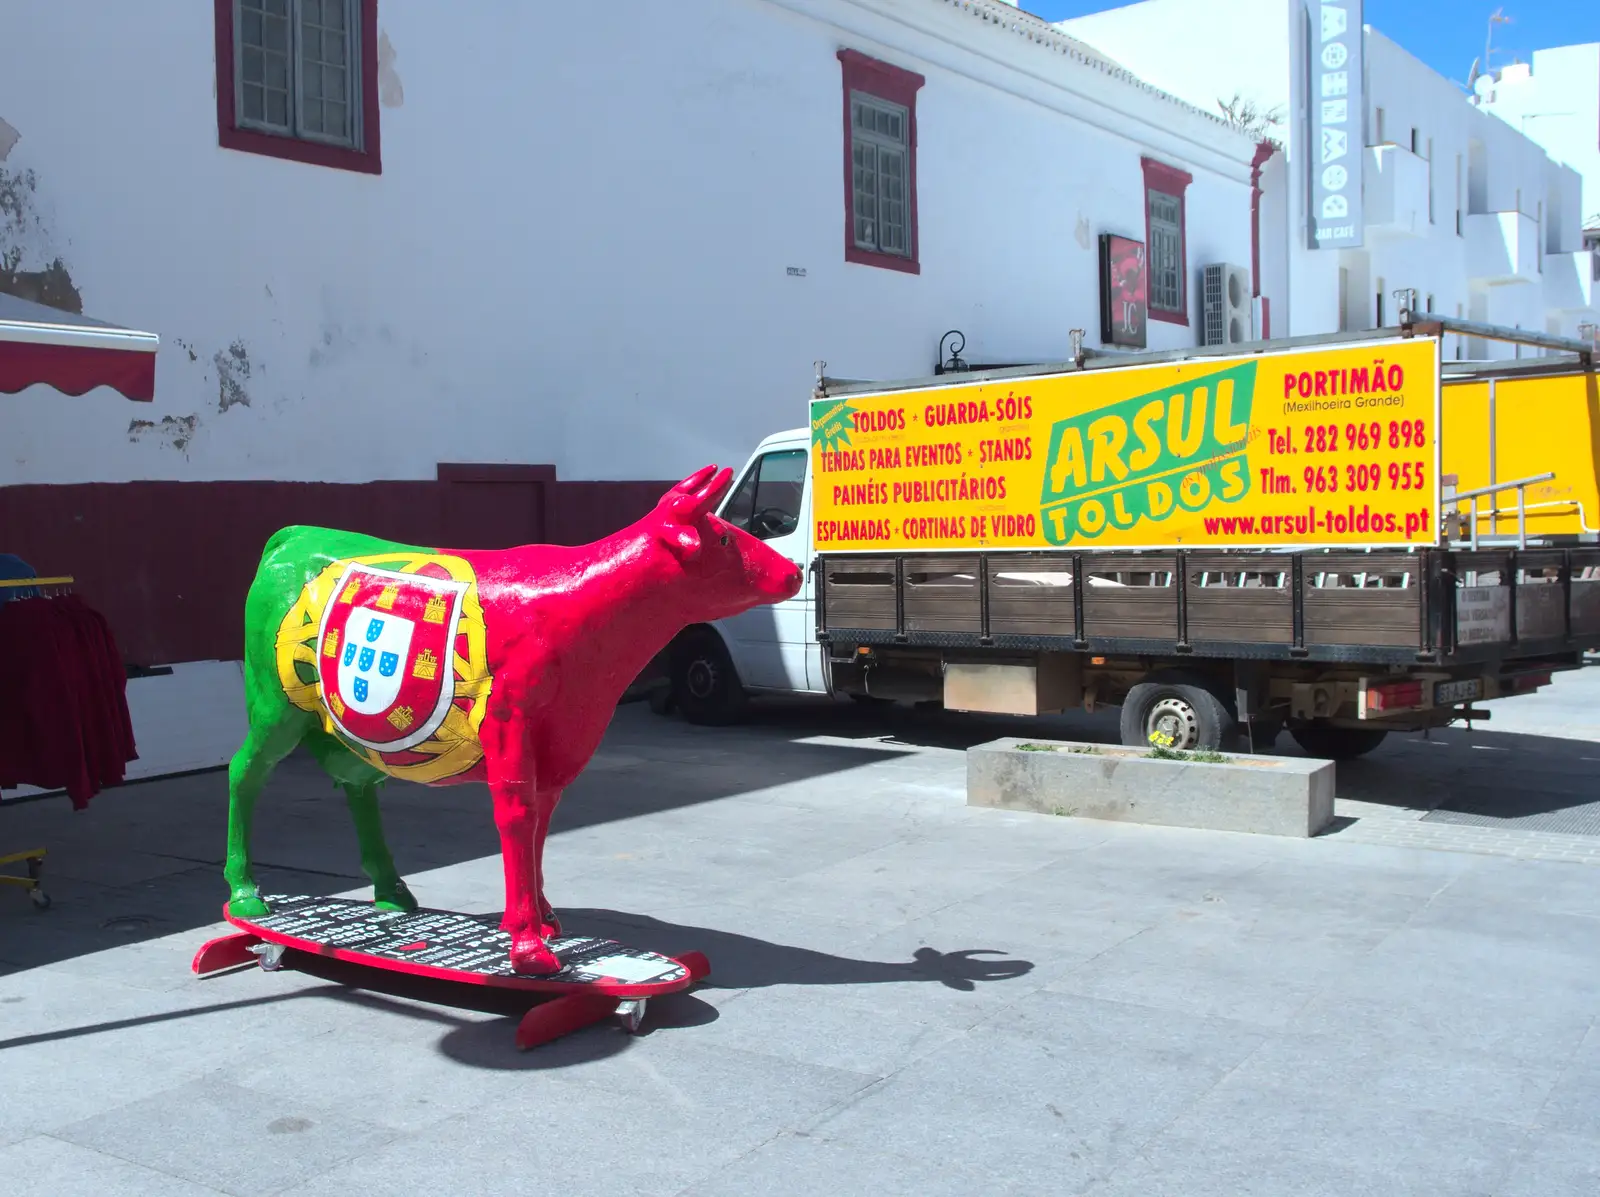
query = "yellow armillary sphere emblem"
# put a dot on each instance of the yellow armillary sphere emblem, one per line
(453, 748)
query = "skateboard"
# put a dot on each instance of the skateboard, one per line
(598, 978)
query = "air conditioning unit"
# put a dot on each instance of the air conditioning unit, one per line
(1227, 316)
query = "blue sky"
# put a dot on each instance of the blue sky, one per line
(1445, 34)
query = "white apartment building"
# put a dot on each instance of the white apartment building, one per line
(1468, 211)
(1555, 101)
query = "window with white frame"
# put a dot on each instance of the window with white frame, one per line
(879, 156)
(297, 69)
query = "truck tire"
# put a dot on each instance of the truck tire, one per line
(1337, 743)
(1180, 705)
(705, 685)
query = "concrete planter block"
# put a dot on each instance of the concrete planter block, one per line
(1264, 795)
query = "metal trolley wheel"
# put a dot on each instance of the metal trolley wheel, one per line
(33, 861)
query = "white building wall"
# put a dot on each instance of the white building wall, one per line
(1555, 101)
(1207, 57)
(578, 251)
(1259, 51)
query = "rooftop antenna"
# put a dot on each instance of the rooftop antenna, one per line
(1472, 75)
(1497, 17)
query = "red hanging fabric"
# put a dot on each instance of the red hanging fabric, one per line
(64, 721)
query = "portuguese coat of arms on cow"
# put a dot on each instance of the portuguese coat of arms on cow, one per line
(384, 655)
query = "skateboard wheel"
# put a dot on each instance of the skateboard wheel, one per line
(270, 955)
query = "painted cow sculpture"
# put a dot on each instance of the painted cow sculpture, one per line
(446, 666)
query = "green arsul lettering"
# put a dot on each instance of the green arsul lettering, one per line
(1066, 457)
(1183, 438)
(1119, 465)
(1149, 451)
(1225, 430)
(1120, 515)
(1194, 492)
(1092, 517)
(1107, 435)
(1233, 480)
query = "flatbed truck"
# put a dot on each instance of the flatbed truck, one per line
(1341, 554)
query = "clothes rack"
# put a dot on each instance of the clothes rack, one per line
(32, 859)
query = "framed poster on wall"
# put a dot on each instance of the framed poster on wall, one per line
(1122, 292)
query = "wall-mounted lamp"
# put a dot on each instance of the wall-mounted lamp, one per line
(952, 363)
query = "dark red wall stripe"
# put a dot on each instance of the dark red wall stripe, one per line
(168, 563)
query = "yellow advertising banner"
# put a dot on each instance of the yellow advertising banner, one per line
(1327, 446)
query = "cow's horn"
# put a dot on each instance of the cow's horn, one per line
(690, 508)
(696, 480)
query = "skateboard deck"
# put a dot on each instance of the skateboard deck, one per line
(598, 977)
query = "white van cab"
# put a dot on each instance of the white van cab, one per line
(773, 649)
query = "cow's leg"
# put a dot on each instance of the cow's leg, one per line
(360, 782)
(275, 729)
(549, 925)
(515, 803)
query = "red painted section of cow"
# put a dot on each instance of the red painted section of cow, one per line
(568, 629)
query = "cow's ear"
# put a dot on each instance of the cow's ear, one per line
(682, 543)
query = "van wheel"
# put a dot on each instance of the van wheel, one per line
(1337, 743)
(705, 685)
(1179, 711)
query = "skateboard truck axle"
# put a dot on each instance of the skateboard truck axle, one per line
(630, 1013)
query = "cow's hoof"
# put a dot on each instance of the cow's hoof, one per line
(399, 898)
(247, 904)
(531, 957)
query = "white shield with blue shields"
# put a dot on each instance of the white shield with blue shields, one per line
(369, 668)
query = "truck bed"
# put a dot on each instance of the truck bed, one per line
(1431, 606)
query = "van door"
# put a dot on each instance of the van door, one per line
(772, 645)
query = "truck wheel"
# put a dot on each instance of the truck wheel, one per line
(1337, 743)
(1183, 710)
(705, 685)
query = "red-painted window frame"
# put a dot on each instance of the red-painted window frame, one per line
(1169, 180)
(898, 86)
(367, 160)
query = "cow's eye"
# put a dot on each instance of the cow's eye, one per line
(725, 539)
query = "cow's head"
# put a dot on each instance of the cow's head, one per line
(727, 569)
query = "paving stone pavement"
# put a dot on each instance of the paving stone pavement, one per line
(908, 995)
